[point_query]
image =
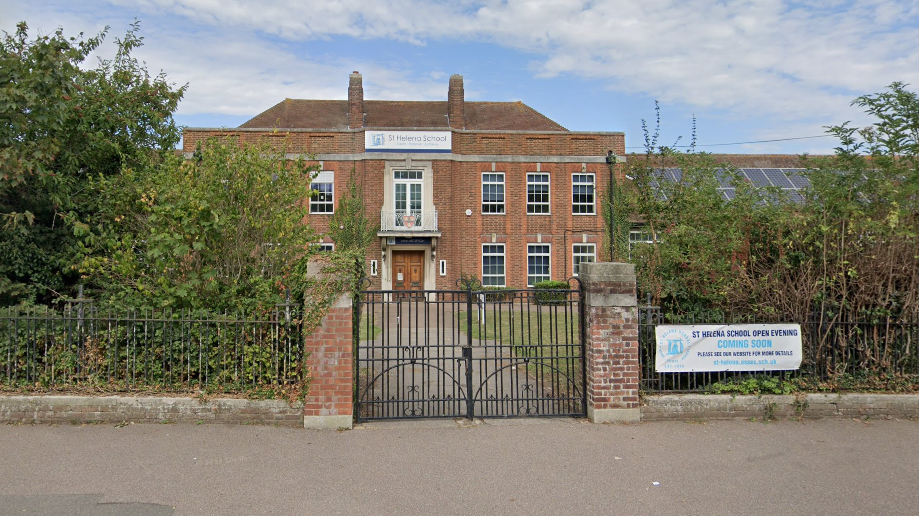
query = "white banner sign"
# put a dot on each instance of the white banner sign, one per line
(408, 141)
(734, 347)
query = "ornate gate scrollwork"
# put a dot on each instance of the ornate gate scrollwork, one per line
(475, 352)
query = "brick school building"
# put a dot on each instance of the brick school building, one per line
(491, 189)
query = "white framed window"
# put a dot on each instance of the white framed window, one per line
(493, 192)
(325, 247)
(583, 253)
(493, 270)
(538, 193)
(637, 236)
(323, 186)
(408, 175)
(407, 186)
(583, 196)
(538, 263)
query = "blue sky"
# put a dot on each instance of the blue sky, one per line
(748, 70)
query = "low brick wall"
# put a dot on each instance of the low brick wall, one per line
(115, 409)
(720, 406)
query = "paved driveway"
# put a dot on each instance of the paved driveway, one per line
(499, 467)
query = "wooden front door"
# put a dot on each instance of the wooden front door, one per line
(408, 270)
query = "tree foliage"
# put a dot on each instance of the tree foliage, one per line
(350, 228)
(849, 252)
(704, 241)
(61, 127)
(223, 230)
(856, 241)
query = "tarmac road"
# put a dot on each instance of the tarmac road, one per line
(497, 467)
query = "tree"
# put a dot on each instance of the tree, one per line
(350, 228)
(705, 245)
(847, 253)
(221, 231)
(63, 126)
(862, 213)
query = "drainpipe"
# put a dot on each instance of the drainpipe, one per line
(610, 161)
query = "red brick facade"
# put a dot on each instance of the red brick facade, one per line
(526, 142)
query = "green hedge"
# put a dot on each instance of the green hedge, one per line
(499, 294)
(547, 292)
(48, 349)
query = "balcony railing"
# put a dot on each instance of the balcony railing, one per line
(408, 220)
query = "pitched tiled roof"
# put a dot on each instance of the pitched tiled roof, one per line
(396, 114)
(333, 114)
(302, 114)
(507, 116)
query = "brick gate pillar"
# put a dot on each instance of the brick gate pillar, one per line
(611, 342)
(330, 402)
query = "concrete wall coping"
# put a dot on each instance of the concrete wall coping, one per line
(661, 407)
(147, 409)
(602, 272)
(808, 406)
(594, 299)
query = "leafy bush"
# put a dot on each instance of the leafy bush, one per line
(842, 254)
(221, 231)
(65, 124)
(547, 292)
(846, 250)
(499, 294)
(166, 351)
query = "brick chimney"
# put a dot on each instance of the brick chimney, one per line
(355, 101)
(456, 103)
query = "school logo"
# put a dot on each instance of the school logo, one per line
(673, 346)
(376, 139)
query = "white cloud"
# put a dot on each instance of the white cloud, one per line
(245, 76)
(236, 72)
(783, 59)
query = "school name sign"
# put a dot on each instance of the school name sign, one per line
(408, 141)
(735, 347)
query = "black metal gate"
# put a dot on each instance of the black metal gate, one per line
(469, 353)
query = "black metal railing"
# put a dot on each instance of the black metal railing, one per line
(831, 348)
(469, 353)
(82, 345)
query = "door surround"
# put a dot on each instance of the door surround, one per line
(429, 268)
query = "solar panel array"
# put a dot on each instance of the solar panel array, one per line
(789, 180)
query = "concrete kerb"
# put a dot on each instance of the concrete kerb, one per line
(802, 406)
